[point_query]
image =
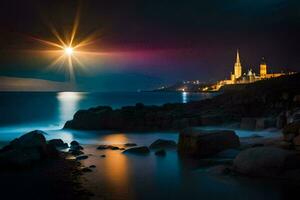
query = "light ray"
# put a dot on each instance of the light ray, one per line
(75, 27)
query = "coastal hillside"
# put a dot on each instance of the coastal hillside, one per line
(258, 105)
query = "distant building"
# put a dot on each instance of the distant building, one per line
(238, 77)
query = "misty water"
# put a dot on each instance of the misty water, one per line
(120, 176)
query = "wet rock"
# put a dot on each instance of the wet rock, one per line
(202, 143)
(160, 152)
(86, 169)
(58, 143)
(160, 144)
(130, 144)
(104, 147)
(83, 157)
(138, 150)
(266, 161)
(75, 148)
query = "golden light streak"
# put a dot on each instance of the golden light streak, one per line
(75, 27)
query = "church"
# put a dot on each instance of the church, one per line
(240, 77)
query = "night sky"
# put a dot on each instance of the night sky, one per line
(147, 43)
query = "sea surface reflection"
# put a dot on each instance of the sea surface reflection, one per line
(68, 104)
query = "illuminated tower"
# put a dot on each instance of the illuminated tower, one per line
(263, 68)
(237, 66)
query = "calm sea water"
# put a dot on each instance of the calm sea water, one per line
(120, 176)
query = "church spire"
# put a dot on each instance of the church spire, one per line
(237, 56)
(237, 66)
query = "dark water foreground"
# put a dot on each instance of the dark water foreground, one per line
(123, 176)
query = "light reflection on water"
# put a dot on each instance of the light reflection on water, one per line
(68, 104)
(184, 97)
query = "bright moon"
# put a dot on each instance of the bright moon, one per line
(69, 51)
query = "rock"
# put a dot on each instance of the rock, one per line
(138, 150)
(265, 161)
(33, 139)
(74, 143)
(130, 144)
(203, 143)
(160, 152)
(58, 143)
(83, 157)
(92, 166)
(160, 144)
(86, 169)
(75, 148)
(104, 147)
(26, 150)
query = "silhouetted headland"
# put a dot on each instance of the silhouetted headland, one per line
(255, 106)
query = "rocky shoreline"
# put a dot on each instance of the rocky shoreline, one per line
(34, 168)
(50, 172)
(261, 105)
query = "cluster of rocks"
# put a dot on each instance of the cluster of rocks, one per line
(26, 150)
(111, 147)
(76, 149)
(256, 160)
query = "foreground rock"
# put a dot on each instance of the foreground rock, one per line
(266, 161)
(202, 143)
(111, 147)
(138, 150)
(58, 143)
(163, 144)
(26, 150)
(75, 149)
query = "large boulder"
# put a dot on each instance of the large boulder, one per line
(27, 149)
(266, 161)
(138, 150)
(204, 143)
(163, 144)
